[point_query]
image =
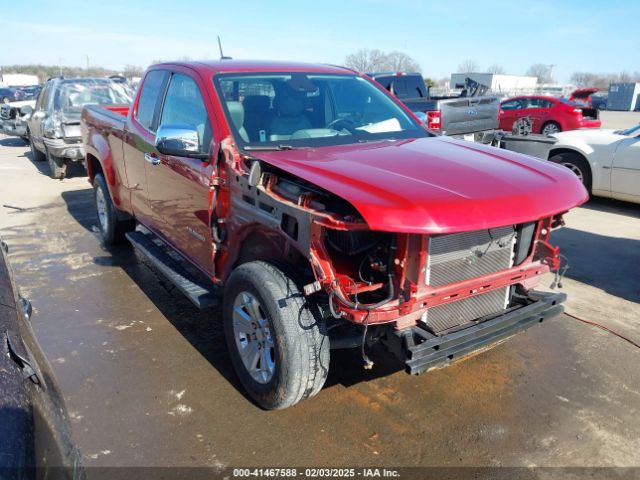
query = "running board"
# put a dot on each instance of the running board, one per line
(201, 295)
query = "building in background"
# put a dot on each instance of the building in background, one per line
(18, 80)
(498, 83)
(624, 97)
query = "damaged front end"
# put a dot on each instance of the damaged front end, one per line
(14, 117)
(62, 136)
(429, 298)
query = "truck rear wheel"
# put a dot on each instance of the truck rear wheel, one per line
(111, 227)
(277, 340)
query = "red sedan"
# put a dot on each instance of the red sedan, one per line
(548, 115)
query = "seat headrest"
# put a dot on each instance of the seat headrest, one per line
(236, 110)
(256, 103)
(289, 106)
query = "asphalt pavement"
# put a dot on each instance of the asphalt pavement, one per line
(148, 380)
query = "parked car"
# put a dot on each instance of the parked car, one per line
(323, 214)
(549, 115)
(454, 116)
(607, 162)
(35, 432)
(583, 96)
(31, 92)
(14, 116)
(599, 102)
(8, 94)
(54, 124)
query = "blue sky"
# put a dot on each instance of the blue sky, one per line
(599, 36)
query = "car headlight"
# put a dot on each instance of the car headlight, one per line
(52, 127)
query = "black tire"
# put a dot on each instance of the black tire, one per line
(57, 166)
(551, 124)
(5, 100)
(577, 164)
(113, 226)
(297, 331)
(36, 154)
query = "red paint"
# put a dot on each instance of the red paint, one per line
(419, 186)
(568, 117)
(435, 185)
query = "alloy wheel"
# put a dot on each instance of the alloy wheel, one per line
(253, 337)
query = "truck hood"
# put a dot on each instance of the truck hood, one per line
(435, 185)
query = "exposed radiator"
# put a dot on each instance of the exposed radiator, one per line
(462, 256)
(449, 315)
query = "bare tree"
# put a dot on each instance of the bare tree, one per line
(603, 80)
(401, 62)
(366, 60)
(468, 66)
(542, 72)
(131, 71)
(496, 68)
(375, 60)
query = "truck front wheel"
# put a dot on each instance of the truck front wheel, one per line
(277, 340)
(57, 166)
(111, 227)
(36, 154)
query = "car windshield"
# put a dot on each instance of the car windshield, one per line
(292, 110)
(72, 96)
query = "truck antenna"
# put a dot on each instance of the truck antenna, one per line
(222, 57)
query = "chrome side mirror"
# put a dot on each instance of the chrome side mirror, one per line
(179, 140)
(26, 110)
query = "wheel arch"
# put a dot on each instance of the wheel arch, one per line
(257, 243)
(561, 150)
(581, 156)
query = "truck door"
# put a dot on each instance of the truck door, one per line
(139, 140)
(625, 174)
(179, 186)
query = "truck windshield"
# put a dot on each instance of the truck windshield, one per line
(72, 96)
(290, 110)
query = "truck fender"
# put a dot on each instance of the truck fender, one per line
(255, 242)
(98, 147)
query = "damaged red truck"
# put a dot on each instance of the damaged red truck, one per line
(321, 214)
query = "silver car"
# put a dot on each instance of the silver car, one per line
(54, 124)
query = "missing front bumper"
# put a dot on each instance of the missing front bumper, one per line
(421, 350)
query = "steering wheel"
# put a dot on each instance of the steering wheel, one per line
(346, 123)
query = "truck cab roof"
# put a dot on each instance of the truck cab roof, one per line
(249, 66)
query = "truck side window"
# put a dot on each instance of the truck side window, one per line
(43, 98)
(184, 105)
(400, 87)
(415, 87)
(149, 95)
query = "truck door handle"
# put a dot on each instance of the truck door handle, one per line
(151, 158)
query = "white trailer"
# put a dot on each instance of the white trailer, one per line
(18, 80)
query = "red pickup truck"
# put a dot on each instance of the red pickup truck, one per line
(321, 214)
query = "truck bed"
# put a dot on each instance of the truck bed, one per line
(101, 116)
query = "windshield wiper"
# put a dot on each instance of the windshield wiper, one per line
(269, 147)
